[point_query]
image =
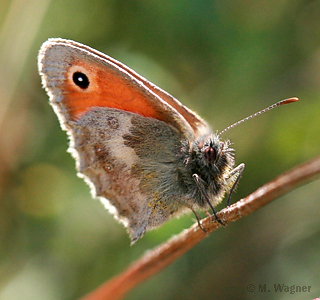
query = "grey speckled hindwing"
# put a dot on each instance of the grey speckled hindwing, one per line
(131, 162)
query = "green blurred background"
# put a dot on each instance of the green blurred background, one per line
(224, 59)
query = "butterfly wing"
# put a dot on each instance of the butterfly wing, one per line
(198, 125)
(112, 84)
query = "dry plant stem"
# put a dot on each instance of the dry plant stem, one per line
(157, 259)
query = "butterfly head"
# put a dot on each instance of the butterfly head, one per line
(214, 156)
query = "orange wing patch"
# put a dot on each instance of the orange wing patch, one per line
(106, 88)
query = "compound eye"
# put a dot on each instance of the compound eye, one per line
(209, 154)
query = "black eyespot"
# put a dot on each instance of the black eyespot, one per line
(81, 80)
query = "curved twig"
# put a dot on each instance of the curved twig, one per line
(157, 259)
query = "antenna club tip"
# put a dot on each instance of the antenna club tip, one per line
(289, 100)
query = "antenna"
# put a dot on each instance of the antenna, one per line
(282, 102)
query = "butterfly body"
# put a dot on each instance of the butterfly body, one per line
(143, 153)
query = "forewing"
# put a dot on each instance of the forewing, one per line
(111, 84)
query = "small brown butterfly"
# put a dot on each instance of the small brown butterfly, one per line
(143, 153)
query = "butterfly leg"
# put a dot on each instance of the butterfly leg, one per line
(237, 171)
(198, 220)
(200, 183)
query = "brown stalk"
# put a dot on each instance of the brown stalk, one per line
(160, 257)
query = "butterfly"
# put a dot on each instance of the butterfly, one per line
(144, 154)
